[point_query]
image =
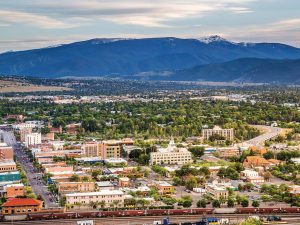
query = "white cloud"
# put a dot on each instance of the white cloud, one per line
(154, 13)
(9, 16)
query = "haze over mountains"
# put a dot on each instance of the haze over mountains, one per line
(208, 59)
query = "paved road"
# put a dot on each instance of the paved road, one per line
(269, 133)
(34, 178)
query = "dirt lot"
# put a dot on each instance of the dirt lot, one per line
(13, 86)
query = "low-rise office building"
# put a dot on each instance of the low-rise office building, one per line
(171, 155)
(226, 133)
(110, 198)
(7, 166)
(14, 190)
(33, 139)
(228, 152)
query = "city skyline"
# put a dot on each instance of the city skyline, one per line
(55, 22)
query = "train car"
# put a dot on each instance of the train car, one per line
(246, 210)
(269, 210)
(39, 216)
(290, 210)
(67, 215)
(110, 213)
(203, 211)
(87, 214)
(180, 212)
(133, 213)
(157, 212)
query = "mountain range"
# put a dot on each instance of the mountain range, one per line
(206, 59)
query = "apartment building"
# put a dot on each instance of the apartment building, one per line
(110, 198)
(105, 149)
(91, 149)
(226, 133)
(71, 187)
(24, 132)
(110, 149)
(33, 139)
(170, 155)
(6, 152)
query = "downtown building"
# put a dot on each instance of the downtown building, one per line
(33, 139)
(107, 197)
(228, 134)
(170, 155)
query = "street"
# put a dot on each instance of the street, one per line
(34, 178)
(270, 132)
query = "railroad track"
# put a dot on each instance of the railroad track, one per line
(291, 218)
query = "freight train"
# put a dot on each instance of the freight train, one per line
(148, 212)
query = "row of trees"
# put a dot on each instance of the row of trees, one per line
(180, 118)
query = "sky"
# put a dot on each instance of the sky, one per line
(27, 24)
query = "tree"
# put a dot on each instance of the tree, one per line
(251, 221)
(177, 181)
(216, 203)
(85, 179)
(267, 176)
(197, 151)
(90, 124)
(269, 155)
(95, 174)
(93, 205)
(265, 198)
(62, 201)
(169, 201)
(245, 202)
(255, 203)
(230, 202)
(187, 203)
(201, 203)
(191, 182)
(74, 178)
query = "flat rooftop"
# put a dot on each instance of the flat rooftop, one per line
(103, 192)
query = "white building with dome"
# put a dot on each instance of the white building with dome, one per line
(170, 155)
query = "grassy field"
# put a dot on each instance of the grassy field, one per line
(15, 86)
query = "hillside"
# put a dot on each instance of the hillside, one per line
(242, 70)
(127, 57)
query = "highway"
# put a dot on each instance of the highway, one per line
(269, 133)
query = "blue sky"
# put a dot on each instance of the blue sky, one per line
(26, 24)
